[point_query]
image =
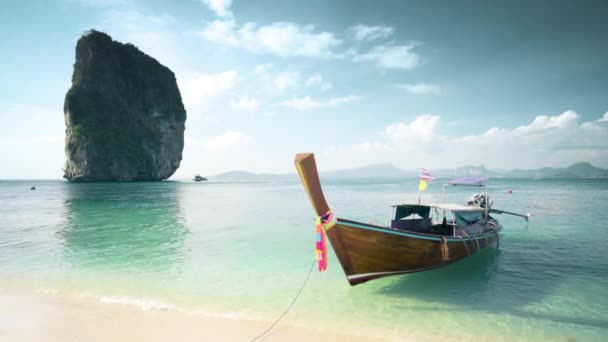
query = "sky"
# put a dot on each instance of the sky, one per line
(435, 84)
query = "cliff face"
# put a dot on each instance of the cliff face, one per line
(124, 115)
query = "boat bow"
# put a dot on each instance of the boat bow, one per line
(307, 170)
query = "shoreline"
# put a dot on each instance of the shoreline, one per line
(40, 315)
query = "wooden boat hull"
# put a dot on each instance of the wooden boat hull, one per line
(368, 252)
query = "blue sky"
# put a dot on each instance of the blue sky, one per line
(431, 84)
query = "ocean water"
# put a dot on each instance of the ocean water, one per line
(242, 250)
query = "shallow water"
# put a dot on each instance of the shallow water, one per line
(243, 250)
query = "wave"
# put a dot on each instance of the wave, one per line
(148, 304)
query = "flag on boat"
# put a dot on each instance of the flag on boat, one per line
(425, 176)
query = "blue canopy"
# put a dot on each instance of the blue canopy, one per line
(467, 181)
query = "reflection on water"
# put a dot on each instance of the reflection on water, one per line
(123, 227)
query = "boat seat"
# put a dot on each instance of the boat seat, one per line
(413, 225)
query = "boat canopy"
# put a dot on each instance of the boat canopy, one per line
(457, 207)
(474, 181)
(468, 218)
(405, 210)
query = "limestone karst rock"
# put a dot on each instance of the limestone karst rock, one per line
(124, 115)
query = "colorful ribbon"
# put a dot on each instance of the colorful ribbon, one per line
(322, 224)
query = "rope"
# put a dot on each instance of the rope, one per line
(497, 239)
(471, 239)
(444, 248)
(290, 305)
(465, 244)
(468, 237)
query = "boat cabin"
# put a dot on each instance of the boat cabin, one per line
(446, 219)
(439, 219)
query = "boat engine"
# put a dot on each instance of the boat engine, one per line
(478, 200)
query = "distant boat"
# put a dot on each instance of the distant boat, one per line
(414, 241)
(198, 178)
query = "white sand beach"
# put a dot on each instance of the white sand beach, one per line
(27, 316)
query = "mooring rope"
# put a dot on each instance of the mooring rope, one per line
(290, 305)
(497, 238)
(465, 244)
(471, 239)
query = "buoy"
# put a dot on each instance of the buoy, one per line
(509, 191)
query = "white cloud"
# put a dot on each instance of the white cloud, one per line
(421, 129)
(283, 39)
(369, 147)
(263, 69)
(421, 88)
(317, 80)
(228, 140)
(391, 56)
(31, 140)
(220, 7)
(207, 85)
(211, 119)
(556, 136)
(543, 122)
(314, 80)
(245, 103)
(43, 139)
(307, 103)
(557, 140)
(598, 124)
(286, 80)
(190, 140)
(220, 32)
(152, 34)
(326, 86)
(286, 39)
(370, 33)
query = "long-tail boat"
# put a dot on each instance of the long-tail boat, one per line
(414, 241)
(199, 178)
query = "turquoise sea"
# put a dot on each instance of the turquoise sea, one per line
(242, 250)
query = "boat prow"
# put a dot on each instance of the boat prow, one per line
(307, 169)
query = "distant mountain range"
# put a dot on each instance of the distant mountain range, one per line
(389, 171)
